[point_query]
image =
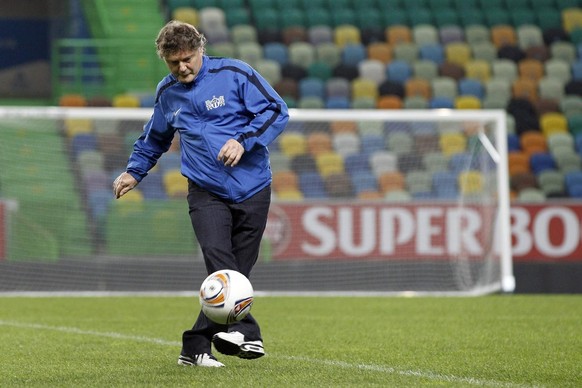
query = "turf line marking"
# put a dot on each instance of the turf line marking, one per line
(74, 330)
(333, 363)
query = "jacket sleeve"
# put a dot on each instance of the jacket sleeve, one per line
(153, 142)
(268, 108)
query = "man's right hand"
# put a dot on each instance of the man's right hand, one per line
(123, 184)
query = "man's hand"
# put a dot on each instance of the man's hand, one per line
(231, 152)
(122, 184)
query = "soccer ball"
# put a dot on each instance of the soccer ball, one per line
(226, 296)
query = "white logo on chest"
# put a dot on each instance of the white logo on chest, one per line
(215, 102)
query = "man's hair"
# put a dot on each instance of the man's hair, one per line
(176, 37)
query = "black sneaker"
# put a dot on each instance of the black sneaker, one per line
(234, 344)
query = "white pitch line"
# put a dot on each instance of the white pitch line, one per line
(333, 363)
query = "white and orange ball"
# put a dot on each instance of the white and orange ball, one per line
(226, 296)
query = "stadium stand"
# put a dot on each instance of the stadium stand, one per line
(524, 57)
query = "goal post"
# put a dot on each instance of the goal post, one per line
(402, 202)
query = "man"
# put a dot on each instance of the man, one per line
(226, 115)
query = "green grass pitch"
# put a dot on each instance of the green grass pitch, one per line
(495, 341)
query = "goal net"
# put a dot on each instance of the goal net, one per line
(364, 202)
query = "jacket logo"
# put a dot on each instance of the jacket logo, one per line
(216, 102)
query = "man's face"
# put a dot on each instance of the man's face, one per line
(185, 65)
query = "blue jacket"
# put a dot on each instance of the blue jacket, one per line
(228, 99)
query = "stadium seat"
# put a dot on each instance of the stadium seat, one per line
(175, 184)
(529, 35)
(445, 184)
(353, 53)
(317, 16)
(394, 16)
(270, 70)
(530, 69)
(496, 16)
(345, 143)
(318, 143)
(383, 161)
(451, 33)
(72, 100)
(372, 142)
(452, 70)
(407, 52)
(551, 89)
(503, 35)
(311, 102)
(444, 87)
(573, 183)
(243, 33)
(471, 182)
(425, 140)
(432, 52)
(572, 19)
(458, 53)
(362, 87)
(563, 50)
(285, 180)
(391, 88)
(524, 180)
(418, 87)
(390, 181)
(320, 33)
(542, 161)
(553, 122)
(389, 102)
(533, 142)
(311, 87)
(568, 161)
(338, 87)
(452, 143)
(372, 69)
(338, 185)
(539, 52)
(312, 185)
(399, 142)
(471, 87)
(477, 33)
(478, 69)
(320, 69)
(425, 69)
(276, 51)
(398, 34)
(303, 163)
(441, 102)
(328, 53)
(519, 162)
(329, 163)
(419, 182)
(398, 71)
(552, 183)
(346, 34)
(504, 69)
(380, 51)
(524, 88)
(237, 15)
(521, 16)
(424, 34)
(435, 161)
(250, 52)
(301, 54)
(346, 71)
(293, 144)
(467, 102)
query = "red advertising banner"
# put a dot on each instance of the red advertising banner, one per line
(400, 231)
